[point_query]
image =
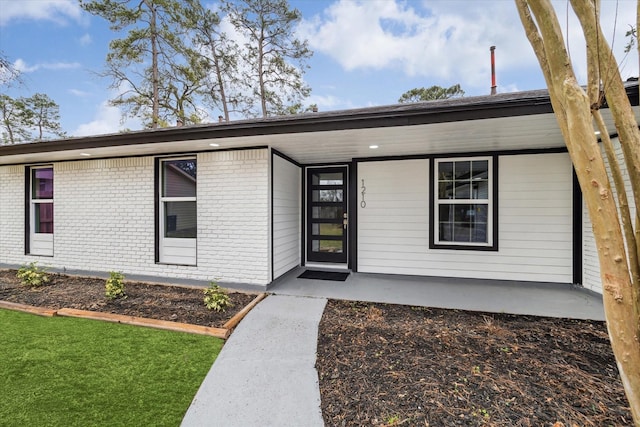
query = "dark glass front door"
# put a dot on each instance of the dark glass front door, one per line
(327, 214)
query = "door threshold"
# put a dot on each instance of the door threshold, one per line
(326, 266)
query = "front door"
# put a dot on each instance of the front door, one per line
(327, 218)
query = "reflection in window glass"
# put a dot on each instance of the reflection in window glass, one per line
(326, 212)
(180, 220)
(327, 178)
(469, 181)
(445, 171)
(43, 217)
(463, 223)
(480, 169)
(327, 246)
(462, 170)
(463, 201)
(179, 178)
(42, 183)
(327, 195)
(327, 229)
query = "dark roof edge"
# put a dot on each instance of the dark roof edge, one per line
(451, 110)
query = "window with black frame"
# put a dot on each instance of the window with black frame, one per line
(463, 202)
(178, 211)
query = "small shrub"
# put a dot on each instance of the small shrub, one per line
(114, 286)
(216, 298)
(32, 275)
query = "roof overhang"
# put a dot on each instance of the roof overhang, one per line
(503, 122)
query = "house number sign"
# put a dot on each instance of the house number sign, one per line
(363, 204)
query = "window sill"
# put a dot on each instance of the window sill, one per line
(462, 247)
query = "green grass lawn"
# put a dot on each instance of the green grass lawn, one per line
(65, 372)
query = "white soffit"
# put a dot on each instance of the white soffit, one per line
(499, 134)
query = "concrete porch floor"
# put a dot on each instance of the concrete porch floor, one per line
(493, 296)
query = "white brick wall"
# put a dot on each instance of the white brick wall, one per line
(104, 217)
(11, 214)
(233, 215)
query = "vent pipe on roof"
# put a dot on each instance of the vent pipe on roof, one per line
(493, 70)
(220, 119)
(179, 123)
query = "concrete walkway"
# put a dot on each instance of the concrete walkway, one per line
(265, 374)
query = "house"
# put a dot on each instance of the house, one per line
(476, 187)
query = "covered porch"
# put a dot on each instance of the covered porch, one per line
(491, 296)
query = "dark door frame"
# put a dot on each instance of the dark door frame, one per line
(328, 257)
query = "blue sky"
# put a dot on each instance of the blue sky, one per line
(367, 52)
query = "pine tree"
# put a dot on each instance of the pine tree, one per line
(276, 59)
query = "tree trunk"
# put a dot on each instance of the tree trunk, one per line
(155, 79)
(10, 133)
(40, 120)
(573, 112)
(263, 95)
(216, 64)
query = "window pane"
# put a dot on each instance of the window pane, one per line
(445, 171)
(480, 169)
(445, 190)
(463, 223)
(180, 220)
(479, 232)
(42, 183)
(462, 170)
(331, 246)
(179, 178)
(463, 190)
(326, 212)
(327, 229)
(327, 195)
(480, 190)
(327, 178)
(43, 217)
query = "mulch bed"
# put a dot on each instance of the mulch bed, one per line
(385, 365)
(160, 302)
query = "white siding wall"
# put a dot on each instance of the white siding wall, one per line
(104, 217)
(590, 263)
(287, 208)
(535, 231)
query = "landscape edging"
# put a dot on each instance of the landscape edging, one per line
(40, 311)
(223, 332)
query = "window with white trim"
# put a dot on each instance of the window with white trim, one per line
(178, 211)
(463, 203)
(41, 211)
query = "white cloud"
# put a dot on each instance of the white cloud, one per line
(324, 102)
(79, 93)
(440, 42)
(23, 67)
(508, 88)
(443, 40)
(58, 11)
(85, 40)
(108, 119)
